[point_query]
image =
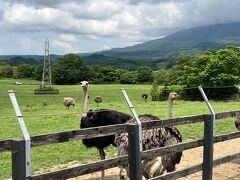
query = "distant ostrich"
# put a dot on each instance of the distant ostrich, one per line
(152, 138)
(237, 122)
(98, 100)
(68, 101)
(144, 97)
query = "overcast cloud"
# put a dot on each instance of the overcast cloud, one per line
(93, 25)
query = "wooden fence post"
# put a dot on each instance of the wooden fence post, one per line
(19, 168)
(134, 153)
(208, 141)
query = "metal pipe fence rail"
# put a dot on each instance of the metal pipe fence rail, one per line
(46, 139)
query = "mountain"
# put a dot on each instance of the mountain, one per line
(186, 41)
(162, 52)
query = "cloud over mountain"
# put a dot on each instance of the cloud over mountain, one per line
(97, 24)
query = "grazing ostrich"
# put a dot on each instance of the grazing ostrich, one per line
(98, 100)
(144, 97)
(152, 138)
(237, 122)
(68, 101)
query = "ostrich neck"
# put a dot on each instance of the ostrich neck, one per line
(85, 102)
(170, 108)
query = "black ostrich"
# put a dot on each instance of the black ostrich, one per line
(102, 117)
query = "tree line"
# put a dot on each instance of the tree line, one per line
(211, 68)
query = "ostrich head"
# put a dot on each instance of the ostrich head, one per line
(173, 96)
(84, 85)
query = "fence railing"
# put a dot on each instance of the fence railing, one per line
(60, 137)
(46, 139)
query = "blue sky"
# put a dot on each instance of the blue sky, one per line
(77, 26)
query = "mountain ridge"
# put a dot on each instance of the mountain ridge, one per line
(161, 52)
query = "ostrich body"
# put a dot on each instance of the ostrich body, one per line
(237, 122)
(68, 101)
(152, 138)
(102, 117)
(98, 100)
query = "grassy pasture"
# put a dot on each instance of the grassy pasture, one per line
(54, 117)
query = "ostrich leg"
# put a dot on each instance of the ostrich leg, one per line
(102, 156)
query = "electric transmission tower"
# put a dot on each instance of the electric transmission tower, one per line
(46, 76)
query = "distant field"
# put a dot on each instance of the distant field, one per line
(55, 118)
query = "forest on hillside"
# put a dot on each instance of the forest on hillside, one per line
(211, 68)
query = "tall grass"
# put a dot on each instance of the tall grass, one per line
(53, 117)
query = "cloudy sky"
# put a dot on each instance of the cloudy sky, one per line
(92, 25)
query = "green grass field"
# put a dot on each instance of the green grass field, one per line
(54, 117)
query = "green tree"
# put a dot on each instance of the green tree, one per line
(162, 76)
(154, 91)
(108, 74)
(144, 74)
(38, 70)
(70, 69)
(184, 72)
(220, 67)
(24, 71)
(129, 78)
(6, 71)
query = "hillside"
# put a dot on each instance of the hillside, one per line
(26, 59)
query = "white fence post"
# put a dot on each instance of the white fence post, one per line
(26, 164)
(134, 143)
(208, 141)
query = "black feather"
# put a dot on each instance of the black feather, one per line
(102, 117)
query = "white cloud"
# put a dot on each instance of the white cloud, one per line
(68, 38)
(98, 10)
(89, 25)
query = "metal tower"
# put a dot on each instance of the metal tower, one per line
(46, 76)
